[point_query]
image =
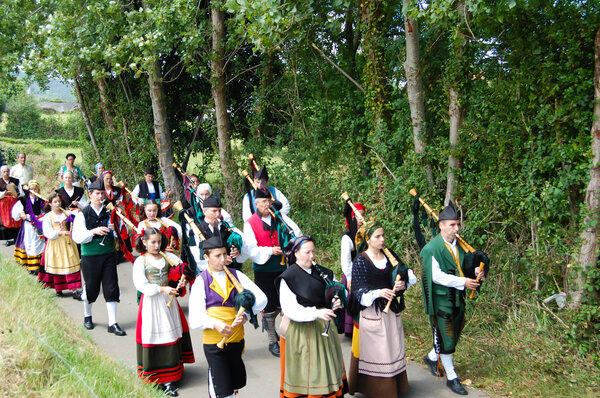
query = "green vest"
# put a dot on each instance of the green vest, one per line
(438, 296)
(272, 265)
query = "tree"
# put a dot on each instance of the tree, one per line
(588, 252)
(414, 87)
(219, 94)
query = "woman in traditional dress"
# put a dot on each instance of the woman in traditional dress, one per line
(162, 333)
(61, 258)
(312, 365)
(378, 361)
(8, 198)
(72, 195)
(75, 171)
(347, 256)
(29, 245)
(112, 194)
(151, 218)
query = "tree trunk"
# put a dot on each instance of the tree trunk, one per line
(414, 89)
(375, 70)
(86, 118)
(162, 133)
(108, 119)
(453, 162)
(588, 252)
(219, 94)
(263, 102)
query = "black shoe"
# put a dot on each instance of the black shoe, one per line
(170, 389)
(87, 322)
(456, 387)
(10, 242)
(60, 293)
(116, 330)
(77, 295)
(433, 368)
(274, 349)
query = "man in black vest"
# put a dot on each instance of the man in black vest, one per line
(93, 230)
(148, 188)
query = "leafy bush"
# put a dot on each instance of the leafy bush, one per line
(24, 118)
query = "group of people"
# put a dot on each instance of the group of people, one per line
(71, 233)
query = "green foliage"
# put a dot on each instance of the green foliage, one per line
(24, 117)
(9, 89)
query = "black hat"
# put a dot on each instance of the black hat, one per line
(262, 174)
(212, 201)
(96, 185)
(215, 241)
(262, 193)
(449, 212)
(70, 154)
(150, 170)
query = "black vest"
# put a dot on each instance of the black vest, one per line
(308, 288)
(77, 195)
(144, 194)
(93, 220)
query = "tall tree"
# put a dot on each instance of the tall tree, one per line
(588, 252)
(414, 87)
(219, 94)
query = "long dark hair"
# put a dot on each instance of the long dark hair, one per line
(48, 205)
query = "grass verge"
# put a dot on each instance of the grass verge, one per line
(34, 332)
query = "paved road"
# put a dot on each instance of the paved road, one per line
(263, 369)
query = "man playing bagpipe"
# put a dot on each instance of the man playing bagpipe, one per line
(234, 242)
(265, 237)
(448, 268)
(221, 301)
(93, 230)
(261, 180)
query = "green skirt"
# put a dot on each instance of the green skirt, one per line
(314, 364)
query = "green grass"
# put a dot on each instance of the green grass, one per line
(29, 319)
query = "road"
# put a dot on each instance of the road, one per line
(263, 370)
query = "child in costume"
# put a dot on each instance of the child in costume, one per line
(212, 305)
(162, 334)
(61, 258)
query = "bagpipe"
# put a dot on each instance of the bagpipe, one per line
(186, 240)
(285, 233)
(400, 270)
(243, 300)
(189, 193)
(473, 258)
(333, 290)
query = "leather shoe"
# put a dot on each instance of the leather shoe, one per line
(77, 295)
(170, 389)
(274, 349)
(433, 368)
(116, 330)
(456, 387)
(87, 322)
(9, 242)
